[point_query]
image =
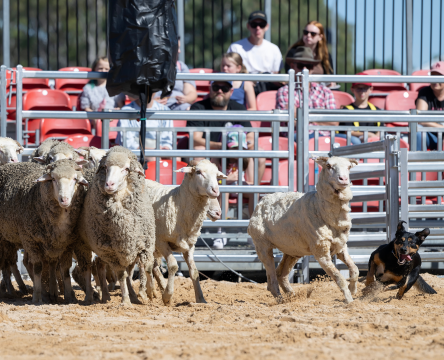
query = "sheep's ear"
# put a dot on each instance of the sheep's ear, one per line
(353, 162)
(186, 169)
(83, 153)
(81, 162)
(44, 177)
(321, 160)
(221, 175)
(20, 149)
(82, 180)
(140, 172)
(40, 159)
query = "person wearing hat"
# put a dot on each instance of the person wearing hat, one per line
(362, 91)
(320, 96)
(258, 55)
(431, 98)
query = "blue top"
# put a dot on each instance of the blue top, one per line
(239, 95)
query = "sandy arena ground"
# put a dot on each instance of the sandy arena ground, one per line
(240, 321)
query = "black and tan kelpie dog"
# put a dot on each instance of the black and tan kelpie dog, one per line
(399, 263)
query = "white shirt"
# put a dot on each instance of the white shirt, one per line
(132, 137)
(258, 58)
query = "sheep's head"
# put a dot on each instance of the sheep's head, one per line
(58, 152)
(204, 178)
(9, 149)
(92, 154)
(336, 171)
(118, 167)
(65, 175)
(214, 211)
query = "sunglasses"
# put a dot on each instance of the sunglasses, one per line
(301, 66)
(255, 24)
(312, 33)
(224, 88)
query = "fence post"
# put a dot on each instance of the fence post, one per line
(409, 36)
(105, 134)
(306, 122)
(3, 102)
(404, 187)
(267, 6)
(6, 34)
(391, 186)
(275, 147)
(290, 125)
(19, 106)
(181, 28)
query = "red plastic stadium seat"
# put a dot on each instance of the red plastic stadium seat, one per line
(166, 172)
(55, 100)
(401, 100)
(384, 87)
(418, 86)
(378, 101)
(112, 134)
(265, 142)
(342, 98)
(202, 86)
(266, 100)
(63, 128)
(73, 87)
(78, 140)
(324, 143)
(283, 173)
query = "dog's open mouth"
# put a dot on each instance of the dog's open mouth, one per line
(403, 258)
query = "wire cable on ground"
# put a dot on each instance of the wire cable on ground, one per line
(238, 274)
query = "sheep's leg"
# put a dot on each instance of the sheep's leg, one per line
(88, 286)
(111, 278)
(157, 272)
(37, 291)
(194, 274)
(7, 278)
(266, 256)
(101, 280)
(122, 275)
(18, 278)
(334, 273)
(129, 283)
(283, 270)
(165, 249)
(142, 287)
(60, 278)
(352, 268)
(146, 265)
(53, 292)
(64, 265)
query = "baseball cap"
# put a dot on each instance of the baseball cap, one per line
(438, 67)
(356, 84)
(225, 81)
(258, 14)
(233, 139)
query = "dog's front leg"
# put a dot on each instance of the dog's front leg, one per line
(409, 281)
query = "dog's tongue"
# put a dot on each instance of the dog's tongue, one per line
(406, 257)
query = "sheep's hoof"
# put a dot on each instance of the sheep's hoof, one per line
(353, 288)
(143, 297)
(166, 299)
(37, 300)
(96, 296)
(279, 299)
(348, 299)
(126, 302)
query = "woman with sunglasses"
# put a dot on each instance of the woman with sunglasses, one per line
(314, 38)
(243, 91)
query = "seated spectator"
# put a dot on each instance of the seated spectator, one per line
(133, 137)
(219, 99)
(259, 55)
(362, 92)
(320, 96)
(95, 96)
(243, 91)
(314, 38)
(431, 98)
(184, 92)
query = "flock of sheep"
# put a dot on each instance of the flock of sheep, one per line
(103, 212)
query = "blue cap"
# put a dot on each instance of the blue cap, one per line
(225, 81)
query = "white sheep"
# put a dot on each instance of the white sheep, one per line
(52, 150)
(180, 213)
(316, 223)
(9, 149)
(92, 154)
(39, 209)
(117, 222)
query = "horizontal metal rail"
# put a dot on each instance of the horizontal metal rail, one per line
(374, 79)
(372, 118)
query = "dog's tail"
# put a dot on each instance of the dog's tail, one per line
(422, 286)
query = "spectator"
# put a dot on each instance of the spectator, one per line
(259, 55)
(219, 99)
(320, 96)
(362, 92)
(314, 38)
(133, 137)
(243, 91)
(95, 96)
(431, 98)
(184, 92)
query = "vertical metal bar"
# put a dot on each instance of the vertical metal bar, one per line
(291, 87)
(18, 32)
(3, 102)
(383, 35)
(77, 33)
(67, 32)
(305, 97)
(374, 33)
(105, 134)
(256, 167)
(299, 149)
(86, 32)
(37, 35)
(409, 37)
(191, 143)
(97, 27)
(193, 31)
(224, 170)
(412, 133)
(393, 34)
(404, 186)
(47, 36)
(392, 187)
(275, 147)
(157, 157)
(57, 35)
(174, 159)
(19, 105)
(181, 28)
(240, 168)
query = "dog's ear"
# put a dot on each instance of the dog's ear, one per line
(400, 227)
(423, 234)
